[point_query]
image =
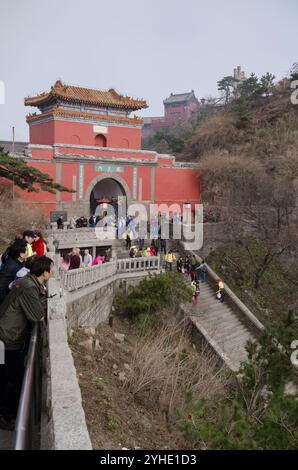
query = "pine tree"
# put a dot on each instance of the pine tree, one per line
(26, 177)
(226, 85)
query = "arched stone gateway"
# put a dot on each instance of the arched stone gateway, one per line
(104, 188)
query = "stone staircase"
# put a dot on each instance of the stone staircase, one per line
(221, 327)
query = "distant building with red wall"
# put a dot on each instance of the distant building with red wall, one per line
(87, 141)
(178, 110)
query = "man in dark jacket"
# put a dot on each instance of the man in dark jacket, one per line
(60, 222)
(17, 254)
(93, 221)
(22, 307)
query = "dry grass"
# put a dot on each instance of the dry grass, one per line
(217, 131)
(271, 130)
(165, 371)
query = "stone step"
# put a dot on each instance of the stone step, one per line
(237, 343)
(215, 306)
(203, 299)
(231, 337)
(227, 336)
(217, 316)
(214, 311)
(234, 349)
(228, 331)
(221, 320)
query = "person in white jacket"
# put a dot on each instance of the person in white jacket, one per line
(87, 260)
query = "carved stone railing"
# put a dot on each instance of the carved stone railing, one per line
(138, 264)
(82, 277)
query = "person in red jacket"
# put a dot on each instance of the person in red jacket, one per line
(152, 252)
(38, 245)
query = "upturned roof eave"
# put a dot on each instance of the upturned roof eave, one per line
(40, 100)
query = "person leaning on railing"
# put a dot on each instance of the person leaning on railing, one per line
(12, 261)
(23, 306)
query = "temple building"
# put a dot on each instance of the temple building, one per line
(88, 141)
(178, 110)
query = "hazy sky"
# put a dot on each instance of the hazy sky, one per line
(146, 49)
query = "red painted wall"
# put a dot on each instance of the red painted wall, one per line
(145, 174)
(106, 153)
(182, 185)
(42, 153)
(42, 133)
(68, 171)
(67, 132)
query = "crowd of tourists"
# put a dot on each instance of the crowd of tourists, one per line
(120, 222)
(190, 267)
(138, 249)
(24, 272)
(78, 258)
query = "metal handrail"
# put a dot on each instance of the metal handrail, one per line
(22, 438)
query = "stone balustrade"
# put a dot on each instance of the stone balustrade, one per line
(138, 264)
(82, 277)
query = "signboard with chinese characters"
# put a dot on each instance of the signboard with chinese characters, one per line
(81, 181)
(109, 168)
(56, 214)
(100, 129)
(134, 182)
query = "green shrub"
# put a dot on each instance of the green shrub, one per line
(155, 293)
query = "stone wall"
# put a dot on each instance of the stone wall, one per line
(63, 423)
(90, 306)
(90, 309)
